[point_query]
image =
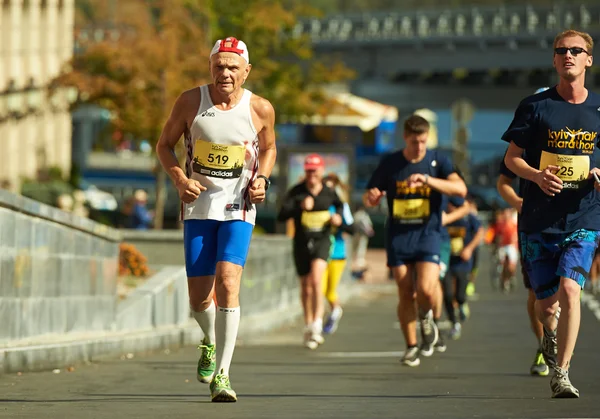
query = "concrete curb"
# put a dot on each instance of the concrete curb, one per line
(92, 348)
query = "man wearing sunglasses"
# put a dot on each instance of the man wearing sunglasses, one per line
(553, 138)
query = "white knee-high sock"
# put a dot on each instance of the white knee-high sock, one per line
(206, 321)
(227, 325)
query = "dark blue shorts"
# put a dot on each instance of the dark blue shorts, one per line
(408, 248)
(548, 257)
(207, 242)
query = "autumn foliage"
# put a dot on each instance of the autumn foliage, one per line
(131, 261)
(151, 51)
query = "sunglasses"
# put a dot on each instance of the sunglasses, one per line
(573, 50)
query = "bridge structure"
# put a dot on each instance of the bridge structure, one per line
(484, 42)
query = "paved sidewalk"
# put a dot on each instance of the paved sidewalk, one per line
(355, 374)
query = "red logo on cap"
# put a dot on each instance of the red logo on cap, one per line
(313, 161)
(230, 45)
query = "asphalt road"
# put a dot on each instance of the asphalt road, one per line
(355, 374)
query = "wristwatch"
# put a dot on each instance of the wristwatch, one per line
(267, 181)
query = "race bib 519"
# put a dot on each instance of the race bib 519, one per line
(218, 160)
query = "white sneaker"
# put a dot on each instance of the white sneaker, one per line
(561, 385)
(309, 340)
(318, 337)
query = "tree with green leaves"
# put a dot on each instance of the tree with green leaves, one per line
(156, 49)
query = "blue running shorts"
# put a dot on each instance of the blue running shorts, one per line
(207, 242)
(409, 248)
(548, 257)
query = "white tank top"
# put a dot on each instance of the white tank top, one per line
(222, 154)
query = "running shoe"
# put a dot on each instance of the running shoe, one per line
(561, 385)
(411, 357)
(220, 389)
(429, 332)
(470, 289)
(318, 337)
(455, 331)
(312, 339)
(464, 312)
(333, 321)
(206, 363)
(549, 348)
(539, 366)
(440, 345)
(308, 340)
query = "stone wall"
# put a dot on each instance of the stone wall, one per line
(58, 272)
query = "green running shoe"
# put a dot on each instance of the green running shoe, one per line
(539, 366)
(470, 289)
(220, 389)
(206, 363)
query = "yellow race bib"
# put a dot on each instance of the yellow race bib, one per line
(218, 160)
(571, 168)
(411, 209)
(315, 220)
(457, 244)
(457, 239)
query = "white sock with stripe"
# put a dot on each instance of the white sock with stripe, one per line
(206, 321)
(226, 325)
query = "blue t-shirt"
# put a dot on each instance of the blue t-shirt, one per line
(411, 209)
(554, 132)
(457, 201)
(461, 234)
(339, 244)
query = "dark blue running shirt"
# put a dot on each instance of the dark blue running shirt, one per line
(555, 132)
(411, 209)
(461, 234)
(457, 201)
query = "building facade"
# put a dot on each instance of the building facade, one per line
(36, 42)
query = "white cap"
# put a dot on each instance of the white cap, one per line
(231, 44)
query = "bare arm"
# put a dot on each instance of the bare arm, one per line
(546, 179)
(177, 124)
(453, 186)
(457, 214)
(477, 239)
(172, 131)
(516, 163)
(508, 193)
(372, 197)
(267, 149)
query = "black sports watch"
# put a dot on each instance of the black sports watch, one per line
(267, 181)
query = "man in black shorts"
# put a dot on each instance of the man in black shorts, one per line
(308, 204)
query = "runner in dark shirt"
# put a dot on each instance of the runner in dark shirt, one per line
(414, 179)
(553, 138)
(308, 204)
